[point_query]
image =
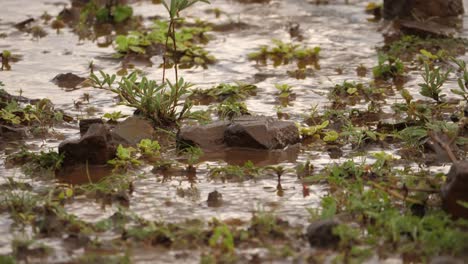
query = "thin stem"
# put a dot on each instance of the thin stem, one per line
(165, 52)
(175, 68)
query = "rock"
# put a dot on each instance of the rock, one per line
(455, 190)
(86, 123)
(215, 199)
(260, 132)
(320, 234)
(254, 132)
(68, 80)
(133, 130)
(208, 137)
(13, 132)
(426, 29)
(95, 147)
(422, 8)
(446, 260)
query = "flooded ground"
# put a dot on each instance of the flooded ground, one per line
(344, 33)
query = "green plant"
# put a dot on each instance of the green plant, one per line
(463, 85)
(433, 81)
(174, 9)
(158, 102)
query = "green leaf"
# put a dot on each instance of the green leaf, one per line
(122, 13)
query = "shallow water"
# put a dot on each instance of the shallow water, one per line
(343, 32)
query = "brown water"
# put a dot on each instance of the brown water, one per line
(343, 32)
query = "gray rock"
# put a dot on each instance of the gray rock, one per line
(133, 130)
(446, 260)
(455, 190)
(260, 132)
(320, 234)
(95, 147)
(254, 132)
(422, 8)
(208, 137)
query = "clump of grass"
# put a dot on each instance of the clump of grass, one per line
(285, 53)
(230, 109)
(234, 172)
(388, 68)
(409, 46)
(224, 92)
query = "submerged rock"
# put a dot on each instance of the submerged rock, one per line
(255, 132)
(95, 147)
(215, 199)
(320, 234)
(455, 190)
(86, 123)
(68, 80)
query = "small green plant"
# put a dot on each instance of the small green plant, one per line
(114, 116)
(463, 85)
(429, 58)
(433, 81)
(234, 172)
(285, 90)
(222, 239)
(149, 148)
(230, 109)
(193, 155)
(125, 158)
(6, 56)
(225, 92)
(106, 79)
(388, 68)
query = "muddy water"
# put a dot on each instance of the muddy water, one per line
(343, 32)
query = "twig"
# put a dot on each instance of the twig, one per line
(395, 194)
(445, 146)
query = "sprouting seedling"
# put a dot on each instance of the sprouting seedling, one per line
(433, 81)
(175, 7)
(284, 90)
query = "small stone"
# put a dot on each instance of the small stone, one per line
(68, 80)
(215, 199)
(320, 234)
